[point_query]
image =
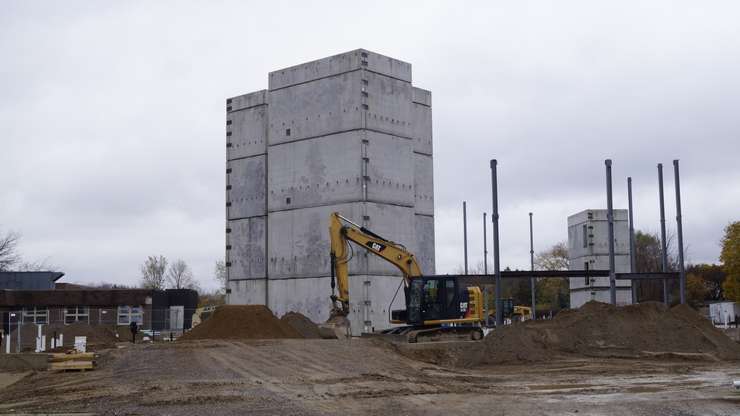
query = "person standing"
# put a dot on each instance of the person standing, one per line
(134, 329)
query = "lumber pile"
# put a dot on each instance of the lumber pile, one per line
(72, 361)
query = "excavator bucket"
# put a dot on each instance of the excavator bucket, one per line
(337, 326)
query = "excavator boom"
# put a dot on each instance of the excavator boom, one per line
(341, 235)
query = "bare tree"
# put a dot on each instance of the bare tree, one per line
(179, 276)
(152, 272)
(556, 258)
(220, 273)
(9, 256)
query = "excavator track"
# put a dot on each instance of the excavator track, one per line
(423, 334)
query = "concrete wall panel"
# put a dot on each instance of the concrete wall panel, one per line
(245, 187)
(597, 233)
(299, 239)
(337, 64)
(246, 100)
(423, 184)
(247, 292)
(246, 131)
(307, 296)
(389, 104)
(246, 248)
(421, 129)
(370, 301)
(325, 170)
(424, 251)
(421, 96)
(391, 176)
(317, 108)
(578, 298)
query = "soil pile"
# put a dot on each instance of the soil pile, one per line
(242, 322)
(301, 324)
(646, 330)
(602, 330)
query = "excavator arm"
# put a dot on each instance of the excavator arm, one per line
(342, 231)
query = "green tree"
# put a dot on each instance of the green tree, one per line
(712, 277)
(553, 293)
(730, 258)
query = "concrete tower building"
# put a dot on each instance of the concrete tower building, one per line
(588, 246)
(347, 133)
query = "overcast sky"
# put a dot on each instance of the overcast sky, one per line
(112, 116)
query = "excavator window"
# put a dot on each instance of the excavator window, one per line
(450, 292)
(433, 300)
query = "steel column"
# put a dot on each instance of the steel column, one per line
(531, 267)
(465, 236)
(496, 251)
(610, 218)
(485, 246)
(679, 230)
(633, 262)
(663, 243)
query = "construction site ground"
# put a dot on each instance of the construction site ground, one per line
(365, 376)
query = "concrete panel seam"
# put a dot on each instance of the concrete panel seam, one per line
(246, 218)
(246, 108)
(261, 279)
(374, 274)
(247, 157)
(338, 202)
(346, 131)
(424, 215)
(338, 74)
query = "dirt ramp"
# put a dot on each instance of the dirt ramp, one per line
(301, 324)
(242, 322)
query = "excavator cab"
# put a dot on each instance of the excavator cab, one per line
(435, 300)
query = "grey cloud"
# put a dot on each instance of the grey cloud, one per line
(112, 116)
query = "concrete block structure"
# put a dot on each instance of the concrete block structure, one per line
(347, 133)
(588, 246)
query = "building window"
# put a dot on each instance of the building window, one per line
(35, 315)
(585, 236)
(74, 314)
(128, 314)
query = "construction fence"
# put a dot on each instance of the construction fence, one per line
(49, 329)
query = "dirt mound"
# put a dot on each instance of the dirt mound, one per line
(301, 324)
(242, 322)
(602, 330)
(646, 330)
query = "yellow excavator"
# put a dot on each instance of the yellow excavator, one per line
(437, 307)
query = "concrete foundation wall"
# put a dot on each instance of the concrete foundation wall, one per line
(307, 296)
(247, 292)
(370, 301)
(624, 296)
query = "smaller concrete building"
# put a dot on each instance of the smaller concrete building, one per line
(588, 247)
(724, 314)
